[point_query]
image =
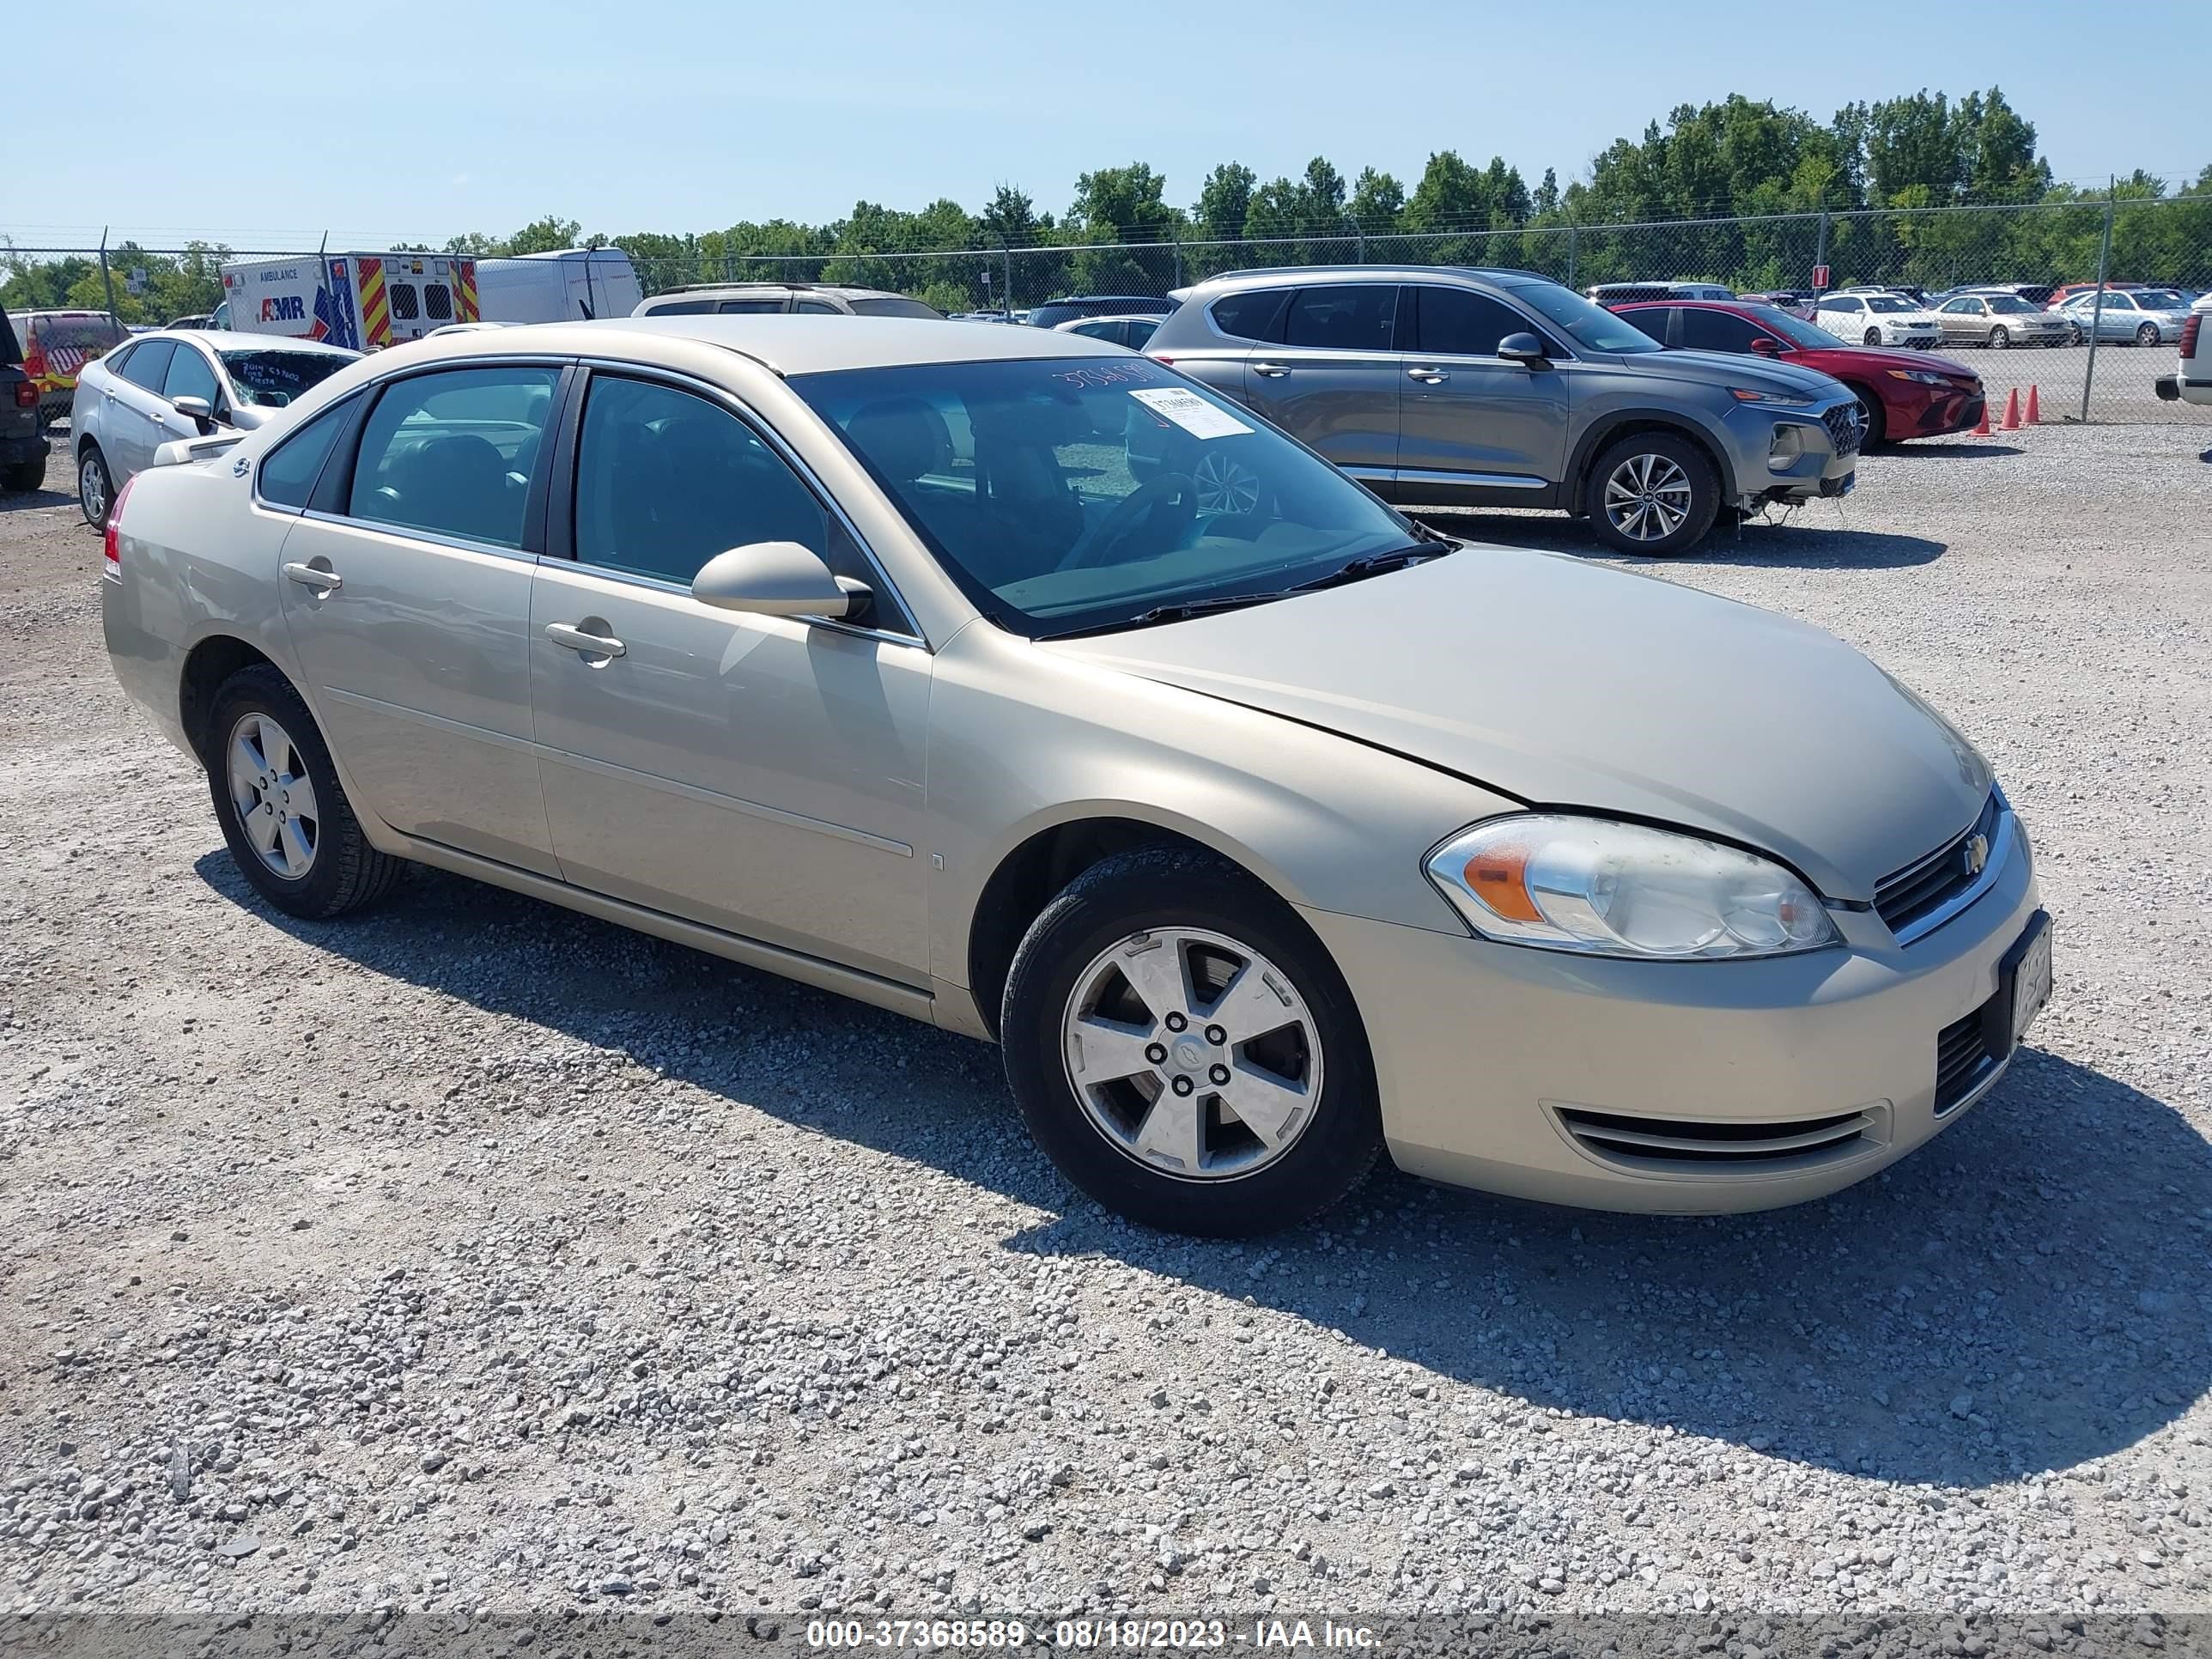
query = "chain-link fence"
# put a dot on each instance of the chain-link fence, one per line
(2163, 245)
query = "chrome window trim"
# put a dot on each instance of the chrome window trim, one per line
(2001, 850)
(681, 591)
(409, 532)
(765, 429)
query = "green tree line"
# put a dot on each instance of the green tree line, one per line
(1753, 164)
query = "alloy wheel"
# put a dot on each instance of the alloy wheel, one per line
(273, 796)
(1224, 486)
(1192, 1054)
(92, 488)
(2000, 336)
(2147, 334)
(1647, 498)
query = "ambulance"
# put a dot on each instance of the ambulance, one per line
(364, 302)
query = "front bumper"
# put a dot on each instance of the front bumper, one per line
(1489, 1055)
(1818, 469)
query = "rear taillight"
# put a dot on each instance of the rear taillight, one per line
(112, 541)
(2191, 329)
(26, 393)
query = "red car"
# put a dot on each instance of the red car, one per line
(1902, 394)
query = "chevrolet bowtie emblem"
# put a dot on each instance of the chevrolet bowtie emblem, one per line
(1977, 853)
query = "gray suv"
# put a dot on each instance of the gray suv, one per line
(1453, 386)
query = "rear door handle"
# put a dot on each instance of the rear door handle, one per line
(1272, 371)
(1430, 376)
(313, 575)
(591, 645)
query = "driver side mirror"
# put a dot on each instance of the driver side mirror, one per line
(779, 578)
(198, 411)
(1524, 348)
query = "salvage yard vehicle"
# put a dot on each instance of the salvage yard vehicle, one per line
(179, 384)
(2191, 379)
(366, 301)
(1262, 835)
(1924, 397)
(1997, 320)
(1875, 317)
(2144, 317)
(22, 432)
(1458, 386)
(57, 345)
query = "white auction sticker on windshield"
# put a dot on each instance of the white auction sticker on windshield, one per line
(1191, 412)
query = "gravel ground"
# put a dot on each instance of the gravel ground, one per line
(476, 1255)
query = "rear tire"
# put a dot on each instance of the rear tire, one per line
(1131, 907)
(95, 489)
(262, 744)
(25, 477)
(1667, 476)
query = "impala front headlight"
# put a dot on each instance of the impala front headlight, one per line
(1622, 889)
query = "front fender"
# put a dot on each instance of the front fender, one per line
(1684, 417)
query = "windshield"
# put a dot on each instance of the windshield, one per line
(1069, 495)
(1587, 324)
(273, 379)
(2008, 304)
(1794, 329)
(1889, 302)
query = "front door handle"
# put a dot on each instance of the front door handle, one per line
(1430, 376)
(315, 576)
(1272, 371)
(591, 645)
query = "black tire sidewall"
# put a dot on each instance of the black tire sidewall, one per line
(1170, 887)
(1876, 418)
(327, 887)
(1704, 493)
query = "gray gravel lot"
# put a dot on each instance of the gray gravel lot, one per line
(476, 1255)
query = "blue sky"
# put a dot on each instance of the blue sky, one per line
(687, 114)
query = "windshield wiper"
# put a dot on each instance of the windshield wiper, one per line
(1180, 611)
(1431, 546)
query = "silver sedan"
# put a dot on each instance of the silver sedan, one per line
(2145, 317)
(176, 383)
(1266, 836)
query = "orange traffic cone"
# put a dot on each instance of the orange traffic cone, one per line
(2034, 409)
(1981, 429)
(2011, 422)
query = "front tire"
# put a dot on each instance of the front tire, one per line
(2147, 334)
(25, 477)
(291, 831)
(1872, 336)
(1183, 1047)
(95, 489)
(2000, 338)
(1652, 493)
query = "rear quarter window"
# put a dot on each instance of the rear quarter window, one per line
(1254, 316)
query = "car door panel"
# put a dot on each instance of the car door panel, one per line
(758, 774)
(1334, 383)
(417, 650)
(1469, 418)
(131, 408)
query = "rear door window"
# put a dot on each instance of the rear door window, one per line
(747, 308)
(1254, 316)
(683, 308)
(149, 365)
(1349, 316)
(1651, 319)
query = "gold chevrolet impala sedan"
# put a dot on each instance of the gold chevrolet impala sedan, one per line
(1017, 683)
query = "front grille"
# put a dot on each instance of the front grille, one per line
(1963, 1059)
(1928, 884)
(1663, 1145)
(1844, 428)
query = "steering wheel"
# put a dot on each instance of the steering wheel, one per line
(1133, 508)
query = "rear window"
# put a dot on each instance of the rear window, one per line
(683, 308)
(273, 379)
(895, 307)
(90, 335)
(1350, 317)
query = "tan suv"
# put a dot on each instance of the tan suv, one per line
(729, 298)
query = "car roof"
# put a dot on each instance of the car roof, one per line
(231, 339)
(1301, 275)
(785, 344)
(693, 290)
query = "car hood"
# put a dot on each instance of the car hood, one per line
(1875, 361)
(1575, 685)
(1732, 369)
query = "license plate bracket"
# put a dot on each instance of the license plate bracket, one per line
(2023, 986)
